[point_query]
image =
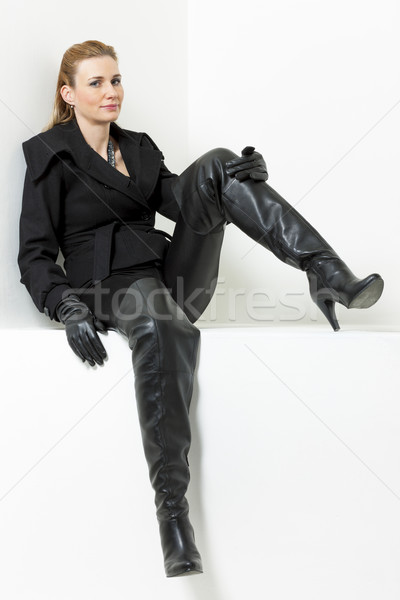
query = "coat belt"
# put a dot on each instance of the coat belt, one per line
(103, 241)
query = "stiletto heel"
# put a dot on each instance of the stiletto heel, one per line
(327, 307)
(324, 298)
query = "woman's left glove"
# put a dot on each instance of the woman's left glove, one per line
(250, 165)
(81, 327)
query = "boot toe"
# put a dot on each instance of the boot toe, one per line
(183, 567)
(181, 556)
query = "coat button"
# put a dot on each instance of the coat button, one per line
(145, 216)
(106, 186)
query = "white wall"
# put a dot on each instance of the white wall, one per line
(313, 86)
(309, 84)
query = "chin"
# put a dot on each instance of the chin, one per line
(109, 118)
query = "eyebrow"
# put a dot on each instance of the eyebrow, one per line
(101, 77)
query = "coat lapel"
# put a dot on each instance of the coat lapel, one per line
(143, 163)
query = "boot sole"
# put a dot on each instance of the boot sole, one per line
(186, 573)
(369, 295)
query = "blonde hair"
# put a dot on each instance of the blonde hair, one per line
(62, 112)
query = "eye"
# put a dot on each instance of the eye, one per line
(95, 83)
(116, 81)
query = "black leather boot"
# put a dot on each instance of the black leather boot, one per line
(332, 281)
(209, 197)
(164, 348)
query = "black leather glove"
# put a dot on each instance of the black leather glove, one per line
(250, 165)
(81, 327)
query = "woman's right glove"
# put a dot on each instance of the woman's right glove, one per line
(250, 165)
(81, 327)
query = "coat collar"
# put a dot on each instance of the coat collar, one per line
(143, 163)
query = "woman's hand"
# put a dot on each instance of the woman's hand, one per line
(250, 165)
(81, 327)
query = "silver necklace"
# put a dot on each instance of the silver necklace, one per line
(111, 153)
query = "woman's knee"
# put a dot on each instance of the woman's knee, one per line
(164, 343)
(198, 190)
(218, 156)
(149, 316)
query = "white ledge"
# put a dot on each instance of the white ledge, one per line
(295, 469)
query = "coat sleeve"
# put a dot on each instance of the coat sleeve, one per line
(40, 221)
(167, 204)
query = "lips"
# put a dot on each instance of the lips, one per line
(110, 106)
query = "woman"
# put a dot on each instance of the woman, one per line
(92, 189)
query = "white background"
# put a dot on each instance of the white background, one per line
(314, 86)
(295, 454)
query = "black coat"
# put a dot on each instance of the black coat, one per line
(101, 220)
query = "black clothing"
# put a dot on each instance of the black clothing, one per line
(101, 219)
(164, 346)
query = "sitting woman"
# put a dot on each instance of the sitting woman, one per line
(92, 190)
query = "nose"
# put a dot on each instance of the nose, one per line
(110, 91)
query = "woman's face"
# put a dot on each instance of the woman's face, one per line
(98, 93)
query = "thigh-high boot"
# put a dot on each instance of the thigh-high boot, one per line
(164, 348)
(208, 197)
